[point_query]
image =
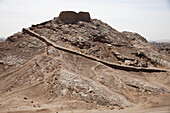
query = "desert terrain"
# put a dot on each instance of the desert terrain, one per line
(75, 64)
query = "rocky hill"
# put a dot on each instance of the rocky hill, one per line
(75, 63)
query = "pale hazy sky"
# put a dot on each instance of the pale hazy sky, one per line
(150, 18)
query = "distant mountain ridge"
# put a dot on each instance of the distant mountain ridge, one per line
(165, 46)
(161, 40)
(1, 39)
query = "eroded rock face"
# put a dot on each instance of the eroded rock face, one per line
(71, 17)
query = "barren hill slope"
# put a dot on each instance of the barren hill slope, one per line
(75, 63)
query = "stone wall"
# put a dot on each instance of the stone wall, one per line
(71, 17)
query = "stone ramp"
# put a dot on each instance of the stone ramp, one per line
(112, 65)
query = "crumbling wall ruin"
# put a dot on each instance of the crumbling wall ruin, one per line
(71, 17)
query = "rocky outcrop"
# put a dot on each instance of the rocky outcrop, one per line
(71, 17)
(147, 51)
(135, 37)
